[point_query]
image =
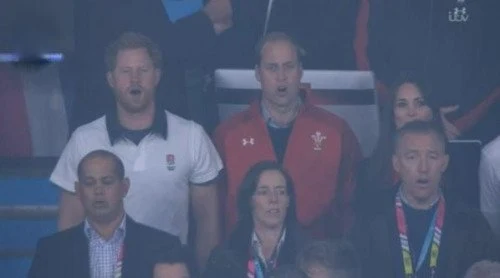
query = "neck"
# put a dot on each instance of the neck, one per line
(136, 121)
(106, 229)
(418, 203)
(282, 115)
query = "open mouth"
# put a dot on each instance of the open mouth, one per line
(282, 89)
(423, 181)
(274, 211)
(135, 91)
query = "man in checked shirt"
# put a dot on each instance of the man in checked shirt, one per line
(108, 243)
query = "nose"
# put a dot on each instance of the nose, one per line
(423, 165)
(98, 189)
(136, 76)
(273, 197)
(282, 74)
(412, 111)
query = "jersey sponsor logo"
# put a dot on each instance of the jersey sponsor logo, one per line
(248, 141)
(318, 139)
(170, 162)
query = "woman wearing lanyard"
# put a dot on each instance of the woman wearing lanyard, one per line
(266, 234)
(413, 231)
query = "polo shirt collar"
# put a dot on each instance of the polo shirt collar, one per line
(116, 131)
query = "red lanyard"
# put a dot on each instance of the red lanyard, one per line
(434, 233)
(119, 261)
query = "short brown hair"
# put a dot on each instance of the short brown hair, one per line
(276, 37)
(421, 127)
(117, 163)
(132, 40)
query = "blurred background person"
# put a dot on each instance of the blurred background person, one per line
(174, 264)
(489, 184)
(453, 44)
(329, 259)
(287, 271)
(484, 269)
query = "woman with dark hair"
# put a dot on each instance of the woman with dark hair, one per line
(408, 103)
(267, 233)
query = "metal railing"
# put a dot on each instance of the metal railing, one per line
(20, 212)
(25, 168)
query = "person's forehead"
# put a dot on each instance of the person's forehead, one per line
(279, 48)
(420, 140)
(98, 163)
(133, 54)
(408, 90)
(271, 177)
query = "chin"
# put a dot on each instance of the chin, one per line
(103, 217)
(425, 196)
(273, 224)
(135, 108)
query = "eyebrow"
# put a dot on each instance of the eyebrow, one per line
(277, 64)
(416, 151)
(265, 186)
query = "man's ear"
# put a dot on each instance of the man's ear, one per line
(126, 186)
(256, 72)
(395, 163)
(157, 76)
(110, 79)
(445, 163)
(78, 190)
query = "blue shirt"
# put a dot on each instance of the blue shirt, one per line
(269, 120)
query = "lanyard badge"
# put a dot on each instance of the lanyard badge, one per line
(432, 239)
(119, 262)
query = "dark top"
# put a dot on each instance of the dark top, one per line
(66, 254)
(324, 28)
(279, 138)
(422, 36)
(230, 259)
(466, 238)
(418, 222)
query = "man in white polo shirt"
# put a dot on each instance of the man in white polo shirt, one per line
(489, 184)
(170, 161)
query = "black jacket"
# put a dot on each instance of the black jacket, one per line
(324, 28)
(466, 238)
(66, 254)
(230, 259)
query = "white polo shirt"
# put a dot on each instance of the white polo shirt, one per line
(489, 184)
(160, 170)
